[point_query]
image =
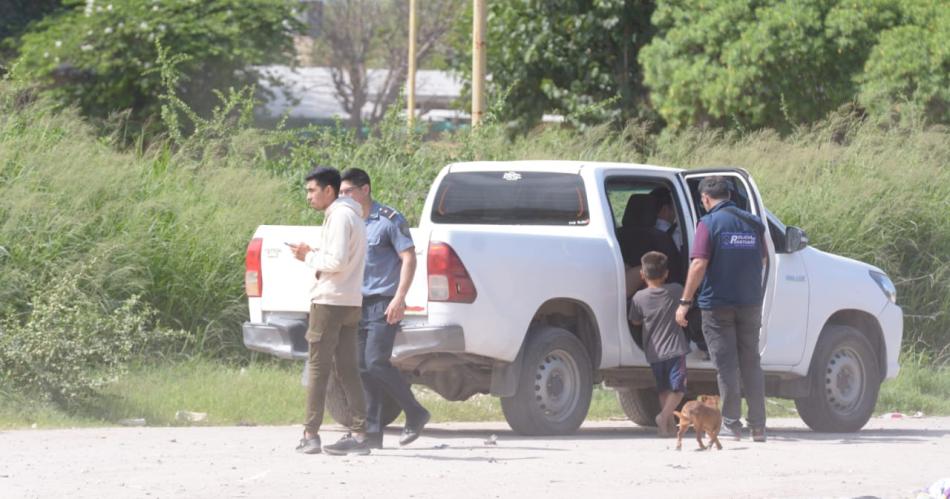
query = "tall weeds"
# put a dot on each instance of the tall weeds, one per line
(167, 226)
(171, 221)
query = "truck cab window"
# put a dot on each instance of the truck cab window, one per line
(511, 198)
(646, 218)
(738, 195)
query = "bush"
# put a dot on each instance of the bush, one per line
(69, 345)
(169, 225)
(100, 55)
(776, 64)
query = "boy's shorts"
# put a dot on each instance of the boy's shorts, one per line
(670, 374)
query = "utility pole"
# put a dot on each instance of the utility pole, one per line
(411, 83)
(478, 61)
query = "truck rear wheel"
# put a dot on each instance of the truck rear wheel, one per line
(339, 411)
(554, 387)
(641, 405)
(845, 380)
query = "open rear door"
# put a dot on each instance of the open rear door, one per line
(785, 309)
(746, 196)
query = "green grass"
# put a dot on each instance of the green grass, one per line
(920, 386)
(269, 393)
(171, 222)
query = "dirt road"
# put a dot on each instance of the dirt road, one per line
(889, 458)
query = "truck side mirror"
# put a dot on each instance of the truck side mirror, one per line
(795, 239)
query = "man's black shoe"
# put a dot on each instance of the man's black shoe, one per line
(309, 445)
(412, 431)
(375, 440)
(347, 445)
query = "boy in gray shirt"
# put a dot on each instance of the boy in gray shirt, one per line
(664, 342)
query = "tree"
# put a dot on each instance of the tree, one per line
(910, 66)
(756, 63)
(15, 16)
(572, 57)
(100, 55)
(355, 34)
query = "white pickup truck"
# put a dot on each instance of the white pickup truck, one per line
(520, 293)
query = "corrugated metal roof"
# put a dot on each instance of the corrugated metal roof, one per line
(308, 92)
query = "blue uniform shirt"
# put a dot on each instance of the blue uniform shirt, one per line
(387, 235)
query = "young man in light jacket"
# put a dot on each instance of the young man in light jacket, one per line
(335, 308)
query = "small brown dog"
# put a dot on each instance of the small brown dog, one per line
(704, 416)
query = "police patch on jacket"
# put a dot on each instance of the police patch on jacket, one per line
(737, 240)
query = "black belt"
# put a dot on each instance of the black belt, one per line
(377, 298)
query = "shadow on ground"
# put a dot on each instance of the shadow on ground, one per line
(867, 436)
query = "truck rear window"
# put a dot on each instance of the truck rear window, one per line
(511, 198)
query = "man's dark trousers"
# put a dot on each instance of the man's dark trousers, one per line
(379, 376)
(732, 334)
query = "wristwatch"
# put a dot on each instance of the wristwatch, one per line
(685, 302)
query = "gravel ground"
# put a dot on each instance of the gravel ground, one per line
(889, 458)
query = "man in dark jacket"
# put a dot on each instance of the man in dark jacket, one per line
(728, 256)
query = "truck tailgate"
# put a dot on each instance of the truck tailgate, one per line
(287, 281)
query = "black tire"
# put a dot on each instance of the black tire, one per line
(555, 385)
(339, 411)
(845, 380)
(641, 405)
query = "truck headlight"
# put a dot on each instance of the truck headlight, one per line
(885, 284)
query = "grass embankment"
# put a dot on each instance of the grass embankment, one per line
(269, 393)
(171, 222)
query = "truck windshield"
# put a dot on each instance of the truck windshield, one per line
(511, 198)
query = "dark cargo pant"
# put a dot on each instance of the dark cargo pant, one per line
(732, 334)
(379, 376)
(332, 343)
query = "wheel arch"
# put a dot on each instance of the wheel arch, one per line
(569, 314)
(867, 325)
(576, 317)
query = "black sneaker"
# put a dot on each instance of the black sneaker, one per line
(375, 440)
(309, 445)
(412, 431)
(733, 430)
(347, 445)
(758, 434)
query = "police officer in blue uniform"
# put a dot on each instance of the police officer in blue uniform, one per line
(728, 256)
(390, 265)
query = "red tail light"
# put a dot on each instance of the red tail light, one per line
(253, 279)
(448, 279)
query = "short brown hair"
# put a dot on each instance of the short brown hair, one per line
(653, 265)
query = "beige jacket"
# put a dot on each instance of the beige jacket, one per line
(340, 259)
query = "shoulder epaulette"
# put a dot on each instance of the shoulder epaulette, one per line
(388, 212)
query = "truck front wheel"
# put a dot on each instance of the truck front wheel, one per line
(845, 379)
(554, 387)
